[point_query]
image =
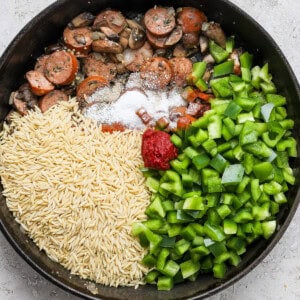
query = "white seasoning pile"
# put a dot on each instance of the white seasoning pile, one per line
(76, 191)
(156, 103)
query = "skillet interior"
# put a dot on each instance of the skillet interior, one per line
(45, 29)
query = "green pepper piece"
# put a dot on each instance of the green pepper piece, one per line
(268, 228)
(154, 224)
(172, 183)
(229, 226)
(266, 111)
(282, 159)
(201, 85)
(162, 258)
(221, 87)
(264, 73)
(244, 117)
(233, 174)
(224, 211)
(262, 212)
(280, 198)
(188, 233)
(219, 163)
(191, 152)
(182, 246)
(288, 176)
(232, 110)
(200, 137)
(174, 230)
(242, 185)
(243, 216)
(151, 276)
(287, 124)
(219, 105)
(214, 185)
(188, 268)
(255, 189)
(156, 208)
(268, 87)
(218, 53)
(198, 70)
(263, 170)
(214, 127)
(167, 242)
(259, 149)
(248, 133)
(255, 71)
(224, 68)
(214, 232)
(275, 99)
(187, 180)
(176, 140)
(246, 103)
(210, 146)
(289, 145)
(149, 260)
(183, 216)
(237, 244)
(165, 283)
(193, 203)
(230, 44)
(201, 161)
(246, 74)
(272, 188)
(246, 60)
(171, 268)
(152, 184)
(219, 270)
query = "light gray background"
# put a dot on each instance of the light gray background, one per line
(278, 276)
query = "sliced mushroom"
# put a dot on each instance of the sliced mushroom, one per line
(106, 46)
(97, 35)
(124, 37)
(137, 38)
(190, 40)
(82, 20)
(24, 93)
(203, 43)
(134, 25)
(209, 59)
(110, 34)
(54, 47)
(235, 57)
(174, 37)
(179, 51)
(214, 32)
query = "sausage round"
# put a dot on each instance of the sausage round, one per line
(181, 67)
(93, 66)
(78, 39)
(38, 83)
(41, 63)
(159, 21)
(157, 73)
(51, 99)
(89, 85)
(61, 67)
(191, 19)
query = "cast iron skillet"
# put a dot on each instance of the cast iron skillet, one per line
(45, 29)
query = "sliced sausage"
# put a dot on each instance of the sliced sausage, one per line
(215, 32)
(191, 19)
(89, 85)
(190, 40)
(82, 20)
(39, 84)
(41, 63)
(78, 39)
(106, 46)
(95, 66)
(51, 99)
(159, 21)
(181, 67)
(174, 37)
(61, 67)
(157, 42)
(110, 18)
(157, 73)
(134, 59)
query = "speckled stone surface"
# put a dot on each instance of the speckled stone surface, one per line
(278, 276)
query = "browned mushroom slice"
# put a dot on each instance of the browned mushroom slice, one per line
(203, 43)
(110, 18)
(82, 20)
(106, 46)
(179, 51)
(174, 37)
(137, 38)
(214, 32)
(110, 34)
(190, 40)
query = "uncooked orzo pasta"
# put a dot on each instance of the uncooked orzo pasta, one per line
(76, 191)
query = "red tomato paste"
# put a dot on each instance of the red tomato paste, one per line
(157, 149)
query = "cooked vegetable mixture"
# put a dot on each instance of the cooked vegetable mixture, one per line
(217, 167)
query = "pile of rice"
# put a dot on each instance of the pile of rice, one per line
(76, 191)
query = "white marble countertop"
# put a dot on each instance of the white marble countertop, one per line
(278, 276)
